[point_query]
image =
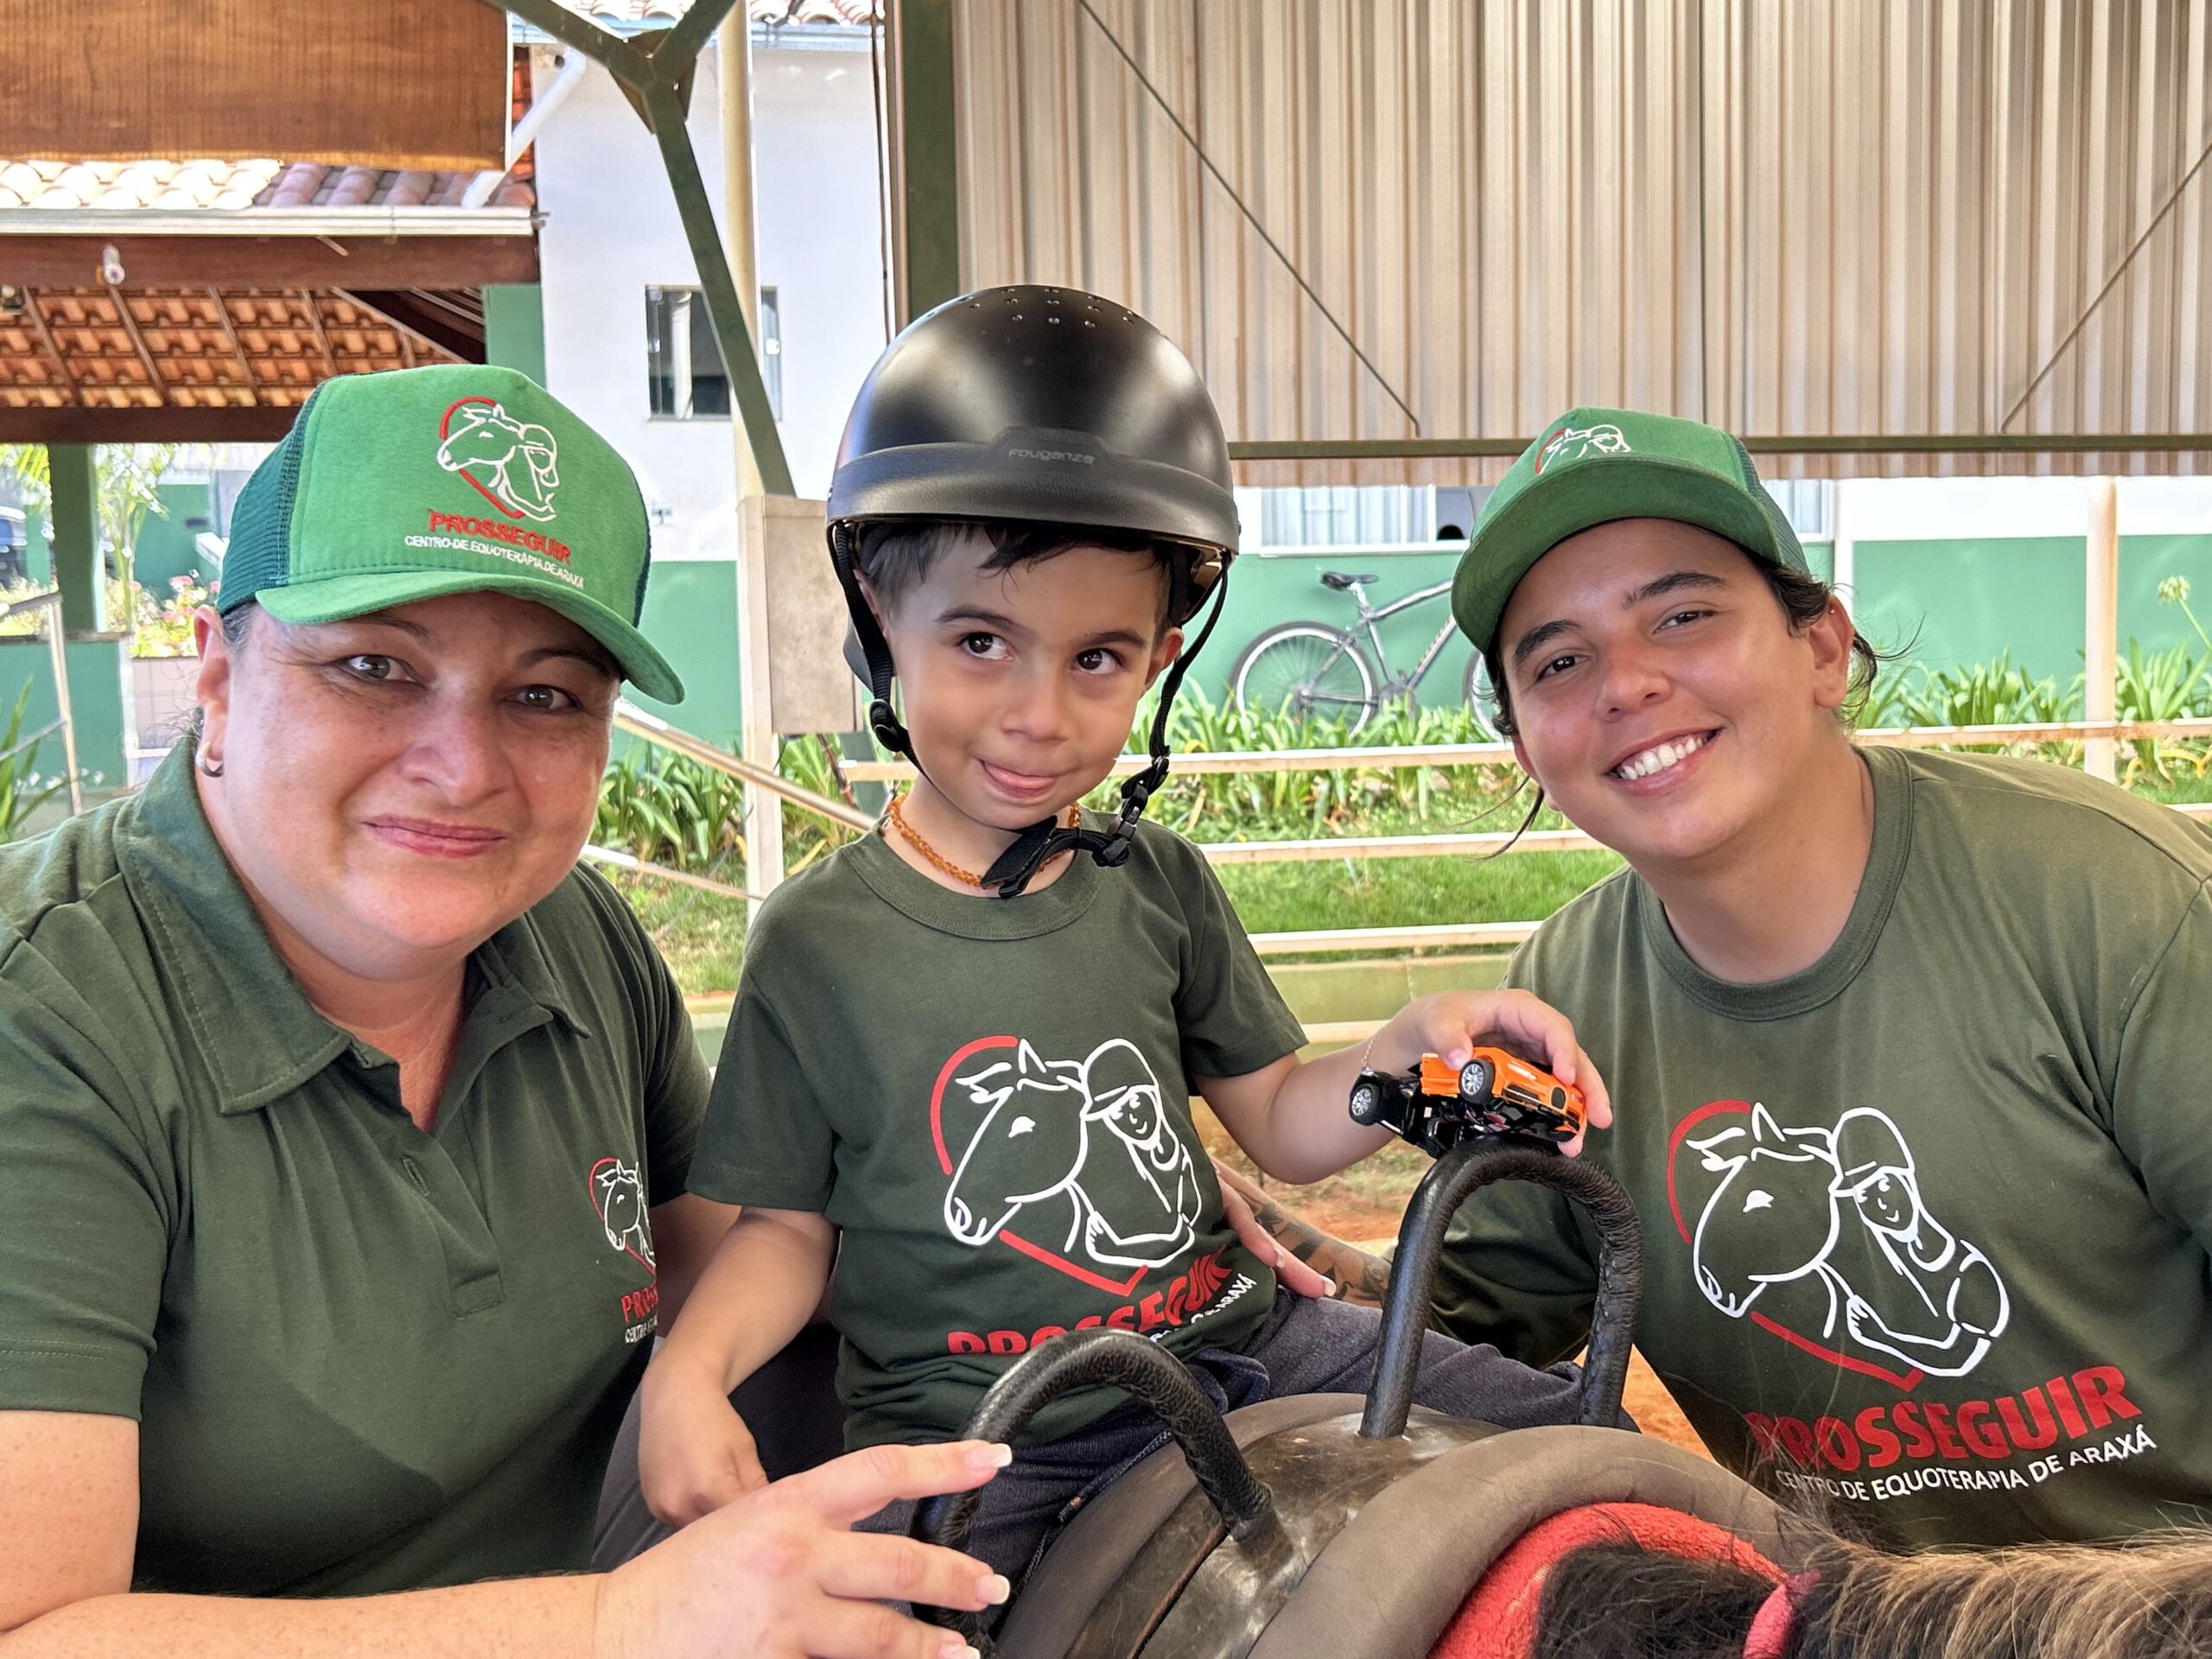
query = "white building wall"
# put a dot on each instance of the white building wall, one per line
(611, 231)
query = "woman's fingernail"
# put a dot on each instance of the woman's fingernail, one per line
(994, 1588)
(990, 1456)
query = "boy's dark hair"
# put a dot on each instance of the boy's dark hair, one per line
(1802, 599)
(896, 554)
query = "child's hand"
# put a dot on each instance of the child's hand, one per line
(695, 1453)
(1453, 1024)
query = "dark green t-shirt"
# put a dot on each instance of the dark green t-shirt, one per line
(363, 1358)
(989, 1099)
(1924, 1226)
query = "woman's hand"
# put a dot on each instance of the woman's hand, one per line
(779, 1574)
(1292, 1274)
(695, 1453)
(1451, 1024)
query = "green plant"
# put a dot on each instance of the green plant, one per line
(811, 763)
(2174, 590)
(127, 491)
(2162, 685)
(164, 629)
(22, 789)
(665, 809)
(1289, 805)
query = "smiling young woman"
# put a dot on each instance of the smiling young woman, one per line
(1908, 1048)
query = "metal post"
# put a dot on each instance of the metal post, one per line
(925, 177)
(764, 810)
(1844, 548)
(57, 652)
(658, 83)
(2100, 640)
(73, 513)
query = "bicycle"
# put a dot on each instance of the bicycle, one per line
(1313, 670)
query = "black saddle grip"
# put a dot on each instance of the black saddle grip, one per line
(1465, 1167)
(1098, 1359)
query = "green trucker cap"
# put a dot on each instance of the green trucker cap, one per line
(450, 480)
(1594, 465)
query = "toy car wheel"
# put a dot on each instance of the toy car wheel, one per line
(1366, 1104)
(1474, 1080)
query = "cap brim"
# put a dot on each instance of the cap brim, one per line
(336, 598)
(1582, 498)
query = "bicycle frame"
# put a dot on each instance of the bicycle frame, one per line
(1369, 615)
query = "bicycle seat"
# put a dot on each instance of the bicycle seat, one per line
(1342, 580)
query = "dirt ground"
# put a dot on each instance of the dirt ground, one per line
(1363, 1204)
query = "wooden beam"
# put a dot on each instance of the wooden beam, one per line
(76, 424)
(36, 259)
(407, 312)
(46, 339)
(138, 342)
(247, 383)
(313, 301)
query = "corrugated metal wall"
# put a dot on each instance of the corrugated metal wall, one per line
(1784, 216)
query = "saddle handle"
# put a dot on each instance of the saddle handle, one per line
(1463, 1169)
(1104, 1358)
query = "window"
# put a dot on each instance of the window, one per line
(1345, 516)
(684, 378)
(772, 350)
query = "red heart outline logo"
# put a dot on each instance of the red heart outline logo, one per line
(1904, 1381)
(1035, 1252)
(445, 431)
(599, 1206)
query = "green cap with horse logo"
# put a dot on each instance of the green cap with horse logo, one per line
(1594, 465)
(451, 479)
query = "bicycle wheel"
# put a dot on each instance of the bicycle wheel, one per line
(1481, 698)
(1306, 669)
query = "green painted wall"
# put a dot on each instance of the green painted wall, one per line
(166, 546)
(690, 614)
(1954, 602)
(97, 667)
(514, 327)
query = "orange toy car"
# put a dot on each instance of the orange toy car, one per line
(1435, 1105)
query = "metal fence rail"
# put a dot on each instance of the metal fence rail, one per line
(1325, 941)
(1407, 757)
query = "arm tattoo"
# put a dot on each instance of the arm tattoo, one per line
(1359, 1276)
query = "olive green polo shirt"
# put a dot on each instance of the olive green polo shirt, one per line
(363, 1357)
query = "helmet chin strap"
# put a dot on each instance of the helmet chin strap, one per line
(1015, 867)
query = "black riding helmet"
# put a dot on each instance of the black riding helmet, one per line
(1044, 405)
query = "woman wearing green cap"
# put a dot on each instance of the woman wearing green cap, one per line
(343, 1150)
(1910, 1048)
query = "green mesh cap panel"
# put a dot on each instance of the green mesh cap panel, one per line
(261, 518)
(1594, 466)
(456, 479)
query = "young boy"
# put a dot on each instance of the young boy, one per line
(976, 1106)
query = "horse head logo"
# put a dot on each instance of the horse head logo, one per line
(620, 1196)
(1774, 1216)
(1572, 443)
(1030, 1145)
(514, 464)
